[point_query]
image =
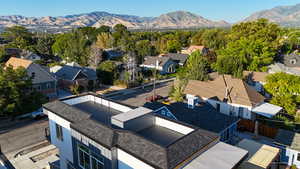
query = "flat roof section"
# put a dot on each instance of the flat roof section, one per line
(260, 155)
(221, 155)
(160, 135)
(97, 111)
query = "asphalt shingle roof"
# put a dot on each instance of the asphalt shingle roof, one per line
(151, 60)
(239, 91)
(177, 57)
(204, 116)
(70, 72)
(160, 156)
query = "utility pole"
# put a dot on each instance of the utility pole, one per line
(155, 71)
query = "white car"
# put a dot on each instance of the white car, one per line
(38, 113)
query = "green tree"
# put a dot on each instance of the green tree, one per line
(44, 44)
(104, 40)
(103, 28)
(120, 35)
(15, 94)
(2, 54)
(107, 72)
(253, 45)
(196, 68)
(76, 89)
(144, 48)
(176, 92)
(173, 46)
(214, 39)
(285, 90)
(18, 37)
(72, 47)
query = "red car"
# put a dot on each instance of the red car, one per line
(155, 98)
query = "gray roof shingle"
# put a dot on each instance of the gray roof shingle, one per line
(163, 156)
(204, 116)
(177, 57)
(65, 111)
(70, 72)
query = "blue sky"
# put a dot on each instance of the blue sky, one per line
(229, 10)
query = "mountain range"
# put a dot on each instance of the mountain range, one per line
(283, 15)
(178, 19)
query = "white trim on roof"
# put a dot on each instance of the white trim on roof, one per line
(267, 110)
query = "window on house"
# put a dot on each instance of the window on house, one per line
(38, 88)
(97, 162)
(87, 160)
(48, 85)
(32, 75)
(84, 157)
(298, 157)
(59, 132)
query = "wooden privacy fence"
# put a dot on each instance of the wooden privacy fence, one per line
(264, 130)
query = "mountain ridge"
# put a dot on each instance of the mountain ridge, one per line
(176, 19)
(283, 15)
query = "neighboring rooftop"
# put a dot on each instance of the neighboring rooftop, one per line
(40, 74)
(239, 92)
(146, 135)
(72, 72)
(267, 110)
(288, 138)
(192, 49)
(152, 60)
(214, 158)
(203, 116)
(18, 62)
(259, 156)
(256, 76)
(113, 53)
(177, 57)
(279, 67)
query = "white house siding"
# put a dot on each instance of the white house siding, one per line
(127, 161)
(98, 100)
(293, 155)
(64, 146)
(77, 100)
(172, 126)
(160, 68)
(226, 108)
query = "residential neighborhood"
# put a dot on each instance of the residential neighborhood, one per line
(111, 91)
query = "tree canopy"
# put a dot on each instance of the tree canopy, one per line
(251, 45)
(107, 72)
(196, 68)
(15, 94)
(285, 90)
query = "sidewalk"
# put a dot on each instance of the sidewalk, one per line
(36, 159)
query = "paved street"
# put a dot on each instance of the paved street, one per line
(23, 135)
(137, 97)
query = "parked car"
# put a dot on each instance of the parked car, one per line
(38, 114)
(154, 98)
